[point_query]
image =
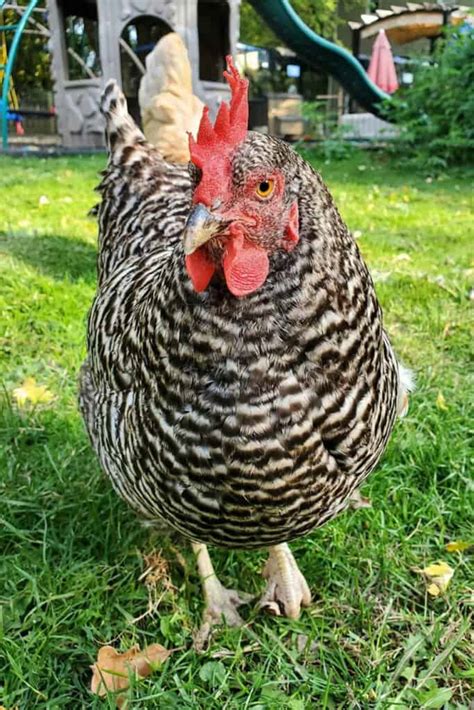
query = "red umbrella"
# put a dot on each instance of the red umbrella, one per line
(381, 67)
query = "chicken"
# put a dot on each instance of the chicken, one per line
(168, 106)
(239, 383)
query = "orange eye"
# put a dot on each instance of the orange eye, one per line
(265, 188)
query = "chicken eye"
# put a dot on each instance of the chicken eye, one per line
(265, 188)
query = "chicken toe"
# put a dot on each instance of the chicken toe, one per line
(221, 603)
(287, 590)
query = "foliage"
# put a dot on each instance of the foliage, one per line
(73, 555)
(32, 68)
(436, 113)
(323, 127)
(315, 116)
(264, 81)
(320, 15)
(253, 30)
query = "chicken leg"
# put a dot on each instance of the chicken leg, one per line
(221, 603)
(287, 590)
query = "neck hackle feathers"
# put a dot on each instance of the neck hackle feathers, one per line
(215, 144)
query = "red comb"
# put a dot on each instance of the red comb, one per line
(215, 143)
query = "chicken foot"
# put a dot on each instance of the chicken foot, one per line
(287, 590)
(221, 603)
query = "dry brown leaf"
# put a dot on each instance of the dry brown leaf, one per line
(458, 546)
(112, 670)
(437, 576)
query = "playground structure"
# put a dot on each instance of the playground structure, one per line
(118, 34)
(404, 24)
(9, 106)
(11, 96)
(121, 33)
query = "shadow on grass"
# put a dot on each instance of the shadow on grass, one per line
(61, 257)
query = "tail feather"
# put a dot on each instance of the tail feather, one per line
(406, 385)
(120, 128)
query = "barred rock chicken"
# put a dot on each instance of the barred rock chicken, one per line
(239, 383)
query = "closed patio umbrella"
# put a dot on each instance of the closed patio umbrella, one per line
(381, 68)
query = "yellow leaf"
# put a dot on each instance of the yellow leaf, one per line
(29, 391)
(458, 546)
(441, 402)
(438, 575)
(433, 590)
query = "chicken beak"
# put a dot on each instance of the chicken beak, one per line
(200, 226)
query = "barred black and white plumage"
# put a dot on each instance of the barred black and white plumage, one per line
(243, 422)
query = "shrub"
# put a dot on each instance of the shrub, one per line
(436, 113)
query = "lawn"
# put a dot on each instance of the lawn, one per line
(72, 554)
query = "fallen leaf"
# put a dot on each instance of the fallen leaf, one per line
(458, 546)
(441, 402)
(112, 670)
(29, 391)
(438, 576)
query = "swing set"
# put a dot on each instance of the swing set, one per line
(10, 110)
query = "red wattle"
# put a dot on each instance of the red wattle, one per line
(245, 266)
(200, 269)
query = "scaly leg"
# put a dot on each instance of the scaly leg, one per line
(287, 590)
(221, 603)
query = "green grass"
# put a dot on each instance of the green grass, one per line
(72, 553)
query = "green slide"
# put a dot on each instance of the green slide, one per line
(320, 53)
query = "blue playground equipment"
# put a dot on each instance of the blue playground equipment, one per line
(7, 61)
